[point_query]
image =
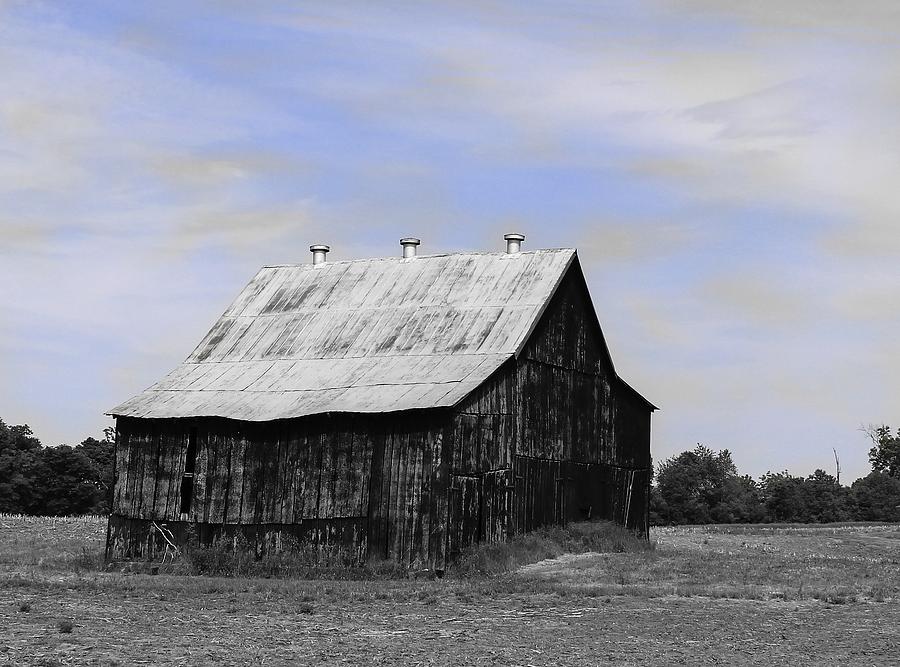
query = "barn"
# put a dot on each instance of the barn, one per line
(398, 408)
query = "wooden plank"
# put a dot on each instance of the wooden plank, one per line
(316, 441)
(153, 487)
(231, 471)
(230, 455)
(488, 515)
(251, 491)
(173, 449)
(525, 504)
(148, 476)
(123, 456)
(413, 529)
(356, 475)
(518, 479)
(488, 429)
(327, 467)
(269, 481)
(133, 490)
(454, 520)
(311, 471)
(336, 447)
(398, 489)
(421, 537)
(199, 509)
(215, 484)
(162, 473)
(342, 465)
(293, 477)
(260, 445)
(388, 477)
(376, 506)
(363, 466)
(283, 477)
(302, 472)
(440, 486)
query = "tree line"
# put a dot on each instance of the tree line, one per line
(698, 486)
(54, 481)
(704, 486)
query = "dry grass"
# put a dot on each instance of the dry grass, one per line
(736, 595)
(63, 543)
(834, 563)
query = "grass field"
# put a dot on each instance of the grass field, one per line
(793, 594)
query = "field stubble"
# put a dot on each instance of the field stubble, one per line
(704, 595)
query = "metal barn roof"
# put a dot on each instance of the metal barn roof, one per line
(374, 335)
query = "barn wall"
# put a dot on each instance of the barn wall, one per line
(632, 429)
(554, 436)
(484, 431)
(631, 469)
(376, 484)
(583, 444)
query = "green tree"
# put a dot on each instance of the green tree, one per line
(741, 502)
(691, 486)
(19, 469)
(876, 497)
(68, 479)
(825, 500)
(101, 454)
(885, 455)
(54, 480)
(784, 497)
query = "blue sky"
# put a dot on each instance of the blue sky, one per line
(729, 174)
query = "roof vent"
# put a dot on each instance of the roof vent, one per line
(409, 247)
(514, 243)
(319, 252)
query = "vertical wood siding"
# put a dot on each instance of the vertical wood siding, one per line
(583, 446)
(388, 476)
(483, 444)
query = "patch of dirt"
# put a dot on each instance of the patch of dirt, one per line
(551, 564)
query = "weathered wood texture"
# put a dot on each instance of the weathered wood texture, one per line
(388, 474)
(566, 383)
(483, 438)
(583, 445)
(338, 541)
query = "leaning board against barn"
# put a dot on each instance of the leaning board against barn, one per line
(387, 408)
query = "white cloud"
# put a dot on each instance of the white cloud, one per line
(144, 177)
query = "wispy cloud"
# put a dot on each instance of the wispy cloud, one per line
(727, 170)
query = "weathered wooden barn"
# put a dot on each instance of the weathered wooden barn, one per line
(395, 408)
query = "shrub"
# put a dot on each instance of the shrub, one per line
(295, 558)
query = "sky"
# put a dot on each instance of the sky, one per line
(728, 171)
